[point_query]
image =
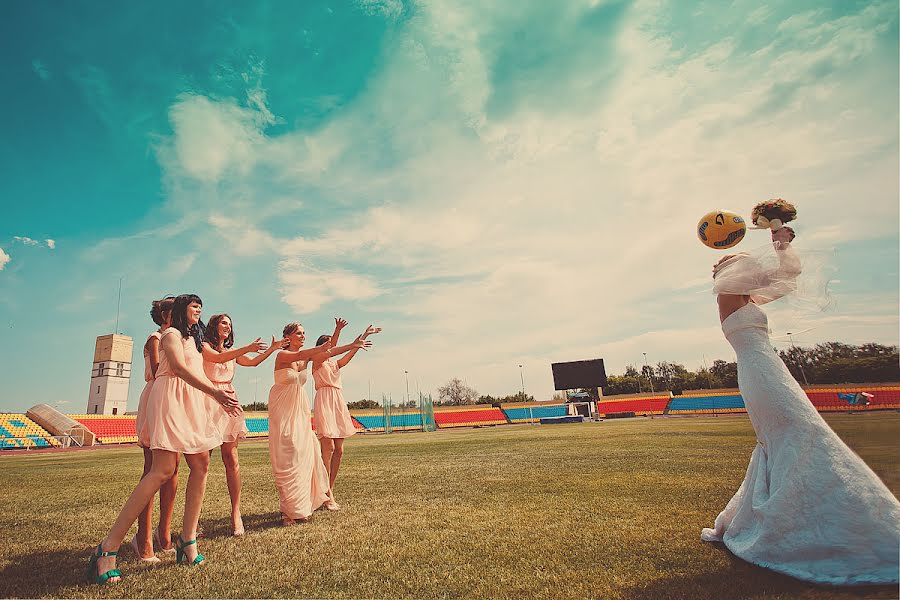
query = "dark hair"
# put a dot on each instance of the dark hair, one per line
(290, 329)
(322, 339)
(159, 308)
(212, 331)
(179, 319)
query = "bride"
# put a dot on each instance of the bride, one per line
(808, 507)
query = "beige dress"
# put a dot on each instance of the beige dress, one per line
(331, 417)
(300, 475)
(140, 422)
(221, 375)
(181, 418)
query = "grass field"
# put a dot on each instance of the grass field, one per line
(603, 510)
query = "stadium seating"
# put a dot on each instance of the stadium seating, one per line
(400, 422)
(842, 398)
(110, 429)
(525, 414)
(257, 426)
(707, 403)
(18, 431)
(649, 405)
(469, 417)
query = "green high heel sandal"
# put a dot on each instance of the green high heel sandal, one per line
(91, 573)
(181, 555)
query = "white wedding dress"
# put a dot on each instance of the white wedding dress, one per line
(808, 507)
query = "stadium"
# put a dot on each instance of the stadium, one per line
(496, 501)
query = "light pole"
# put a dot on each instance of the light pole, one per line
(649, 373)
(708, 375)
(407, 387)
(522, 376)
(799, 359)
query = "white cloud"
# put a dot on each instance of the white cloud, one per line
(40, 69)
(26, 240)
(307, 289)
(4, 259)
(542, 231)
(50, 243)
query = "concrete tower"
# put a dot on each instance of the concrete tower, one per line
(111, 375)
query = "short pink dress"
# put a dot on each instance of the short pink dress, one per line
(296, 456)
(140, 422)
(221, 375)
(331, 417)
(181, 418)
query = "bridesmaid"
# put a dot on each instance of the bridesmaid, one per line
(300, 474)
(178, 421)
(142, 542)
(218, 364)
(331, 417)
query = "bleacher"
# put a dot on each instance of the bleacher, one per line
(648, 405)
(469, 417)
(527, 414)
(257, 426)
(18, 431)
(831, 399)
(110, 429)
(707, 403)
(375, 422)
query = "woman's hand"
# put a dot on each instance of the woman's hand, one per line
(371, 330)
(722, 261)
(361, 343)
(339, 323)
(228, 402)
(257, 345)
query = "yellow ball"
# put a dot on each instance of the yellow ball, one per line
(721, 229)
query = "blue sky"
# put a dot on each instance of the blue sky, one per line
(494, 183)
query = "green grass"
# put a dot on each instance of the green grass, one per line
(606, 510)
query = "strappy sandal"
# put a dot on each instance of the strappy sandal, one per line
(181, 555)
(137, 552)
(91, 573)
(159, 543)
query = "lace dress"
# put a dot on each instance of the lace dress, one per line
(808, 507)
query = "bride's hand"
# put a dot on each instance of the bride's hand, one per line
(725, 258)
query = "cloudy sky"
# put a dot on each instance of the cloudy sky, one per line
(494, 183)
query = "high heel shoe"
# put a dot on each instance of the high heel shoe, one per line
(137, 552)
(92, 574)
(159, 543)
(181, 555)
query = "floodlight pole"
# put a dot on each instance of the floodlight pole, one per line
(649, 373)
(407, 386)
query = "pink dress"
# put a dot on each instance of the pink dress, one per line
(331, 417)
(180, 417)
(140, 422)
(221, 375)
(300, 475)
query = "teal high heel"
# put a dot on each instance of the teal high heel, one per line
(91, 573)
(181, 555)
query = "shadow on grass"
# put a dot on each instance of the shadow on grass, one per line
(221, 528)
(742, 580)
(43, 573)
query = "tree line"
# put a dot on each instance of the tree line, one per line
(827, 363)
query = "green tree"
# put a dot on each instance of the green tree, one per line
(456, 393)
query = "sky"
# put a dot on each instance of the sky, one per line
(494, 183)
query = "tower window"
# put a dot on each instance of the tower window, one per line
(98, 389)
(120, 369)
(100, 370)
(115, 410)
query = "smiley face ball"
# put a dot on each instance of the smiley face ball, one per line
(721, 229)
